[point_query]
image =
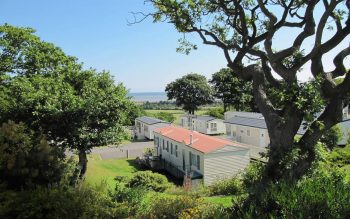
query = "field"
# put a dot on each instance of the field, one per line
(176, 113)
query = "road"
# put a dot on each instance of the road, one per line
(131, 150)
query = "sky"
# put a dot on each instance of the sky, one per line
(142, 56)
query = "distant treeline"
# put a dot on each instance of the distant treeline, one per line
(171, 105)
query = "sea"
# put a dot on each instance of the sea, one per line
(148, 96)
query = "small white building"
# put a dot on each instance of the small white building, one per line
(144, 127)
(208, 125)
(186, 120)
(250, 131)
(201, 156)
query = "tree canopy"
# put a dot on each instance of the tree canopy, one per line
(190, 91)
(27, 160)
(247, 31)
(232, 90)
(52, 94)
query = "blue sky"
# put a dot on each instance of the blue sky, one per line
(142, 56)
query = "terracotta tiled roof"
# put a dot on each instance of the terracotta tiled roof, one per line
(200, 142)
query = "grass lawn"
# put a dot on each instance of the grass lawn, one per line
(106, 170)
(226, 201)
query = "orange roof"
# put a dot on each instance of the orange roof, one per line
(200, 142)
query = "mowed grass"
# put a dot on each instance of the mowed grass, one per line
(106, 170)
(225, 201)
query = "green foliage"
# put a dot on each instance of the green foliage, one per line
(59, 202)
(169, 117)
(133, 111)
(161, 105)
(158, 205)
(24, 54)
(233, 91)
(190, 91)
(26, 160)
(148, 180)
(332, 137)
(340, 157)
(231, 186)
(52, 94)
(161, 205)
(321, 196)
(216, 112)
(253, 174)
(132, 196)
(305, 97)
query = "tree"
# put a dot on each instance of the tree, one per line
(331, 138)
(190, 91)
(217, 112)
(26, 160)
(51, 93)
(246, 32)
(232, 90)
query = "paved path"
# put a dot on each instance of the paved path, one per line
(131, 150)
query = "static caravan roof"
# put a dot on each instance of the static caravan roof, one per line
(254, 122)
(150, 120)
(200, 142)
(231, 114)
(205, 118)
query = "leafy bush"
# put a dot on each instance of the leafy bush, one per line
(321, 196)
(149, 180)
(68, 202)
(253, 174)
(232, 186)
(205, 211)
(161, 205)
(340, 156)
(332, 137)
(133, 196)
(27, 160)
(217, 112)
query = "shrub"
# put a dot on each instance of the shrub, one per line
(321, 196)
(27, 160)
(232, 186)
(331, 138)
(68, 202)
(149, 180)
(133, 196)
(217, 112)
(253, 174)
(161, 205)
(205, 211)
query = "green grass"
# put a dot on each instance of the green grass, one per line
(106, 170)
(176, 113)
(226, 201)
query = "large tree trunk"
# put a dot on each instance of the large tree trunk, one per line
(82, 163)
